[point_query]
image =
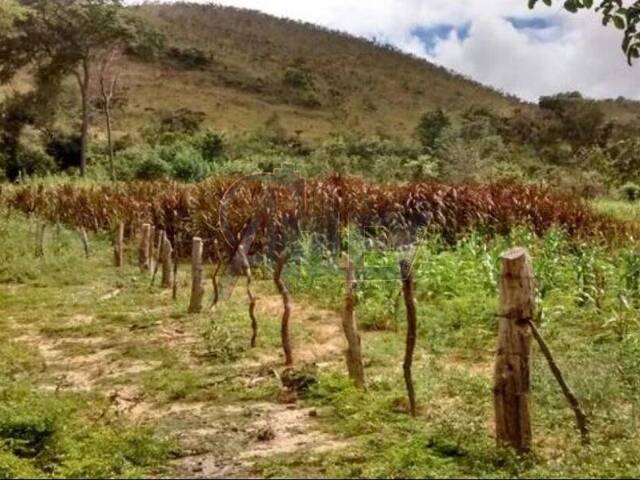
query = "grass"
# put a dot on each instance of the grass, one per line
(620, 209)
(196, 373)
(595, 345)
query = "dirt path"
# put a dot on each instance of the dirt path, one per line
(215, 439)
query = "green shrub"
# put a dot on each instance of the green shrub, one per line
(630, 191)
(65, 149)
(210, 144)
(430, 128)
(297, 78)
(191, 58)
(172, 124)
(223, 343)
(153, 168)
(189, 166)
(33, 160)
(43, 434)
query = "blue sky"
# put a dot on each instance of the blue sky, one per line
(497, 42)
(431, 35)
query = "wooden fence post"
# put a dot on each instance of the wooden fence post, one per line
(246, 267)
(286, 302)
(197, 289)
(85, 241)
(511, 375)
(159, 255)
(216, 266)
(167, 260)
(410, 304)
(143, 250)
(40, 229)
(118, 246)
(176, 263)
(152, 247)
(353, 352)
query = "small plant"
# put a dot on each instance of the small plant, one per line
(297, 78)
(189, 167)
(631, 275)
(190, 58)
(591, 278)
(153, 169)
(223, 343)
(630, 191)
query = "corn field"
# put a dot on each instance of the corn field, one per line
(223, 211)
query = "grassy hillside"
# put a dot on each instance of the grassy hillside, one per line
(248, 66)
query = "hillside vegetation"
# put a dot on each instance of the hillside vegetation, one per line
(231, 92)
(240, 67)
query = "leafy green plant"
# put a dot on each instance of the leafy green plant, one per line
(630, 191)
(153, 169)
(223, 343)
(430, 128)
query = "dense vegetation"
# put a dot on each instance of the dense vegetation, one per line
(255, 132)
(588, 299)
(241, 63)
(226, 211)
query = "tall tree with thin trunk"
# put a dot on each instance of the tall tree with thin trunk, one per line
(108, 95)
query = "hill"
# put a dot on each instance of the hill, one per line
(241, 68)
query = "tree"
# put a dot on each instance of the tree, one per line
(10, 11)
(430, 128)
(35, 108)
(70, 37)
(577, 121)
(624, 17)
(108, 95)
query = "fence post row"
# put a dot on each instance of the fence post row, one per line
(511, 390)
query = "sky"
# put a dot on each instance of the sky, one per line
(496, 42)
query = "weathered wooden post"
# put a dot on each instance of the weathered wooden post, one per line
(159, 256)
(286, 302)
(176, 263)
(246, 267)
(143, 250)
(216, 266)
(118, 246)
(152, 247)
(85, 241)
(353, 352)
(511, 376)
(167, 263)
(410, 304)
(197, 289)
(40, 229)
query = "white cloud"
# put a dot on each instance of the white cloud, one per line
(577, 53)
